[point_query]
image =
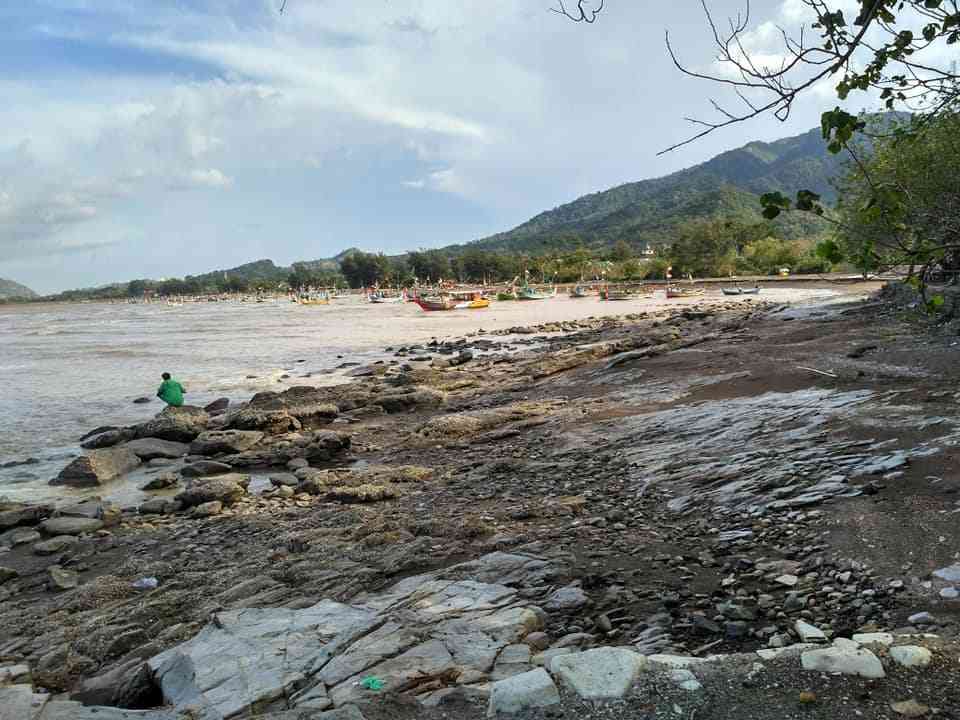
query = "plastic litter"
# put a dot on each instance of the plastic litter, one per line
(372, 683)
(147, 583)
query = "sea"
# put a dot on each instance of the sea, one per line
(68, 368)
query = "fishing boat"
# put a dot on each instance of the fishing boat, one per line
(382, 298)
(620, 294)
(741, 291)
(530, 293)
(507, 295)
(470, 300)
(435, 304)
(580, 291)
(675, 291)
(318, 298)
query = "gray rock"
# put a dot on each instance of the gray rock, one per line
(55, 545)
(911, 656)
(19, 536)
(97, 467)
(71, 525)
(91, 509)
(62, 578)
(922, 618)
(284, 480)
(685, 680)
(153, 448)
(160, 506)
(450, 623)
(599, 673)
(217, 407)
(845, 661)
(225, 488)
(162, 482)
(808, 632)
(533, 689)
(7, 574)
(566, 599)
(107, 439)
(16, 514)
(207, 509)
(180, 424)
(950, 593)
(225, 442)
(202, 468)
(951, 573)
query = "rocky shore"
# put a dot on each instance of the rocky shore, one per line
(727, 510)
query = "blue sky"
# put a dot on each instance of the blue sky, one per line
(157, 138)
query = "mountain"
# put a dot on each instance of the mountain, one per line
(257, 270)
(10, 290)
(729, 184)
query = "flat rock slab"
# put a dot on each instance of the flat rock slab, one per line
(435, 627)
(71, 525)
(845, 661)
(55, 545)
(950, 573)
(534, 689)
(600, 673)
(216, 442)
(153, 448)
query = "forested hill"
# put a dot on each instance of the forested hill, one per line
(10, 290)
(644, 212)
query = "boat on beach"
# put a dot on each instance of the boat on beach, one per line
(528, 292)
(675, 291)
(741, 291)
(613, 294)
(384, 299)
(470, 299)
(436, 303)
(580, 291)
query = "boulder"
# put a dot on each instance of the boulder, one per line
(92, 509)
(7, 574)
(97, 467)
(109, 438)
(217, 442)
(217, 407)
(160, 506)
(162, 482)
(325, 446)
(202, 468)
(153, 448)
(15, 514)
(599, 674)
(71, 525)
(911, 656)
(127, 685)
(843, 660)
(294, 409)
(566, 599)
(19, 536)
(225, 488)
(55, 545)
(417, 397)
(533, 689)
(179, 424)
(207, 509)
(61, 578)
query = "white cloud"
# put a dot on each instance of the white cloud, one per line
(211, 177)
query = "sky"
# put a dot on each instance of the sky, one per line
(159, 138)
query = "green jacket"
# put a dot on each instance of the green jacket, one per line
(171, 392)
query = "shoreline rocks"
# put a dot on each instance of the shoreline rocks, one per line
(97, 467)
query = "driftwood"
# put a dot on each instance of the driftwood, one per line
(818, 372)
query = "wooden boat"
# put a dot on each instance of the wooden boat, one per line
(381, 299)
(503, 296)
(618, 294)
(675, 291)
(317, 298)
(530, 293)
(469, 299)
(741, 291)
(580, 291)
(435, 304)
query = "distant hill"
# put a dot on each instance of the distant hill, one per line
(645, 212)
(10, 290)
(257, 270)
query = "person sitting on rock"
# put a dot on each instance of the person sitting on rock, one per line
(171, 391)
